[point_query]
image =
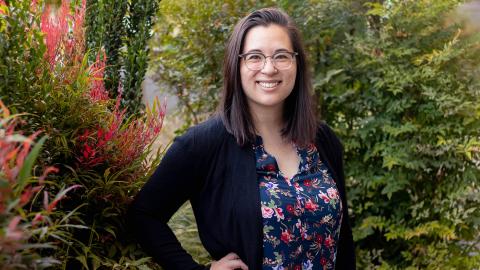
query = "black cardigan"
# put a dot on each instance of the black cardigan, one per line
(208, 167)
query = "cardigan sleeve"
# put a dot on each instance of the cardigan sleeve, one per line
(346, 252)
(173, 183)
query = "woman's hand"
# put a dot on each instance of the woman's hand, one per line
(231, 261)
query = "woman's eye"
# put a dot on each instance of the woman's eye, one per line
(281, 56)
(254, 57)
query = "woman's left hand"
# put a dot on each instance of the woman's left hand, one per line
(231, 261)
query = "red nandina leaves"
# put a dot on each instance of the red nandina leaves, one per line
(62, 44)
(97, 70)
(122, 141)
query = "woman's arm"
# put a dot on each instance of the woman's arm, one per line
(175, 180)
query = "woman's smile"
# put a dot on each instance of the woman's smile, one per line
(268, 84)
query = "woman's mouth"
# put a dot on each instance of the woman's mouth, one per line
(270, 84)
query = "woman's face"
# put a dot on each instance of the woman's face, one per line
(268, 87)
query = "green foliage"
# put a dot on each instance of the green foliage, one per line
(406, 104)
(26, 234)
(99, 150)
(399, 83)
(123, 29)
(21, 53)
(106, 28)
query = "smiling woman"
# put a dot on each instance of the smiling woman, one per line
(264, 177)
(267, 84)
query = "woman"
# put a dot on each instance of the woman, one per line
(265, 180)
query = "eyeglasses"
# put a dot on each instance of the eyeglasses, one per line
(280, 60)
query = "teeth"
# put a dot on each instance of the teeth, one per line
(268, 84)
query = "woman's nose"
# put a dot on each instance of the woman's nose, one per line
(269, 67)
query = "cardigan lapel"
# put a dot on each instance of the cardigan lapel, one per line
(248, 211)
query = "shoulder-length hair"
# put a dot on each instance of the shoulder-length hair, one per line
(299, 108)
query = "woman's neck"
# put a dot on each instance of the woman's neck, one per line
(268, 121)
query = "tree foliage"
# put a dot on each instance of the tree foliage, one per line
(399, 82)
(122, 28)
(404, 99)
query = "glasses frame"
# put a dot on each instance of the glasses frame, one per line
(243, 55)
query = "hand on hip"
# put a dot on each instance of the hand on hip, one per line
(231, 261)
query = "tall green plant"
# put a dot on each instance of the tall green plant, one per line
(21, 54)
(106, 28)
(123, 29)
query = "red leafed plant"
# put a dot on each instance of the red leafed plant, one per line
(97, 70)
(92, 142)
(122, 140)
(64, 33)
(64, 36)
(18, 187)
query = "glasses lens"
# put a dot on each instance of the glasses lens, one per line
(282, 60)
(254, 61)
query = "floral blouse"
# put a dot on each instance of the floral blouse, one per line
(301, 215)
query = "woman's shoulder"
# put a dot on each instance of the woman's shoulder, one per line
(206, 135)
(327, 138)
(213, 126)
(325, 131)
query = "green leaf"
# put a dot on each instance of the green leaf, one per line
(26, 170)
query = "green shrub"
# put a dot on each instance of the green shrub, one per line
(28, 225)
(398, 83)
(122, 29)
(405, 100)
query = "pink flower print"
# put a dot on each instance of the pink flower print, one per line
(323, 261)
(279, 214)
(311, 206)
(332, 193)
(267, 212)
(297, 187)
(329, 242)
(324, 197)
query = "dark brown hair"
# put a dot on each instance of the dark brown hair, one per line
(299, 109)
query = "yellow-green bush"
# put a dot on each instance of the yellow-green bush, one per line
(401, 88)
